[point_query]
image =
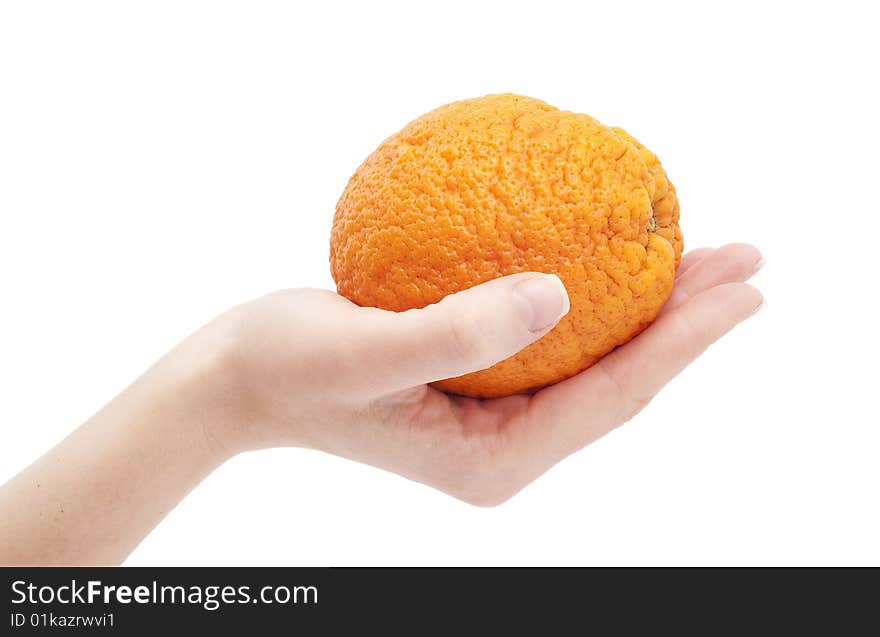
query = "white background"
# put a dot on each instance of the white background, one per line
(162, 161)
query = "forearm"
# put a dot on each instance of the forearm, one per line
(93, 498)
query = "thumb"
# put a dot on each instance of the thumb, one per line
(464, 332)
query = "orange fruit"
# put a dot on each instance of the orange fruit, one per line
(486, 187)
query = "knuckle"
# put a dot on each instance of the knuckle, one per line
(686, 329)
(467, 341)
(631, 409)
(629, 403)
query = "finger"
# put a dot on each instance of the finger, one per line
(565, 417)
(464, 332)
(731, 263)
(691, 258)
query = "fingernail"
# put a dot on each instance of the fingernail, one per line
(760, 264)
(541, 301)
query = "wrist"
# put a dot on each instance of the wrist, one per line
(200, 381)
(230, 375)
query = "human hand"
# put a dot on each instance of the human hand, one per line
(309, 368)
(314, 370)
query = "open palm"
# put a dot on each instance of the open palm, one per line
(352, 381)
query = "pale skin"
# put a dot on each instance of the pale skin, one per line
(307, 368)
